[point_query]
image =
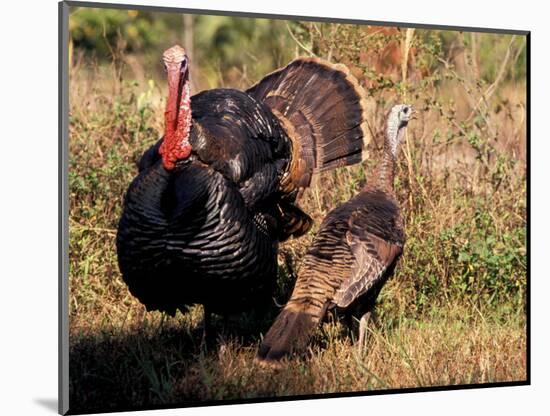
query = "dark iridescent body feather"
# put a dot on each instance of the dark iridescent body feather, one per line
(205, 233)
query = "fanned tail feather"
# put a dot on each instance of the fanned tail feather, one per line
(323, 110)
(290, 332)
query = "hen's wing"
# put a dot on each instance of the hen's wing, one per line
(372, 255)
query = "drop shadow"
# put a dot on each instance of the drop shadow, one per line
(49, 404)
(142, 368)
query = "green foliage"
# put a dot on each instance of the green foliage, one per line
(473, 260)
(233, 41)
(491, 49)
(104, 165)
(228, 47)
(101, 30)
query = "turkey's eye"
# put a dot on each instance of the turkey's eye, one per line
(406, 110)
(183, 68)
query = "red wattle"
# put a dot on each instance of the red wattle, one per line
(172, 153)
(178, 119)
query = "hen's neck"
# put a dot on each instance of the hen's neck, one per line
(384, 174)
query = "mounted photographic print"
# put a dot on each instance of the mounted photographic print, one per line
(262, 208)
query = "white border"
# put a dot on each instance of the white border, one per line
(29, 204)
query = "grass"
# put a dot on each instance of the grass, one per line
(454, 313)
(151, 361)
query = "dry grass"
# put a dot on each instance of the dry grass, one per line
(151, 361)
(454, 313)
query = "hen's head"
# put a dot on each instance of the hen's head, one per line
(398, 119)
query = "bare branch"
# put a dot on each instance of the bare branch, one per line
(492, 88)
(298, 42)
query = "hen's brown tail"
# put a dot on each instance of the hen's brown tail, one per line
(291, 330)
(322, 108)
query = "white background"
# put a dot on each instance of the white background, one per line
(28, 203)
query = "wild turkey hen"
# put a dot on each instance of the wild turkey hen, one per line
(202, 220)
(350, 259)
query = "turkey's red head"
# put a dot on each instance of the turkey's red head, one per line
(175, 145)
